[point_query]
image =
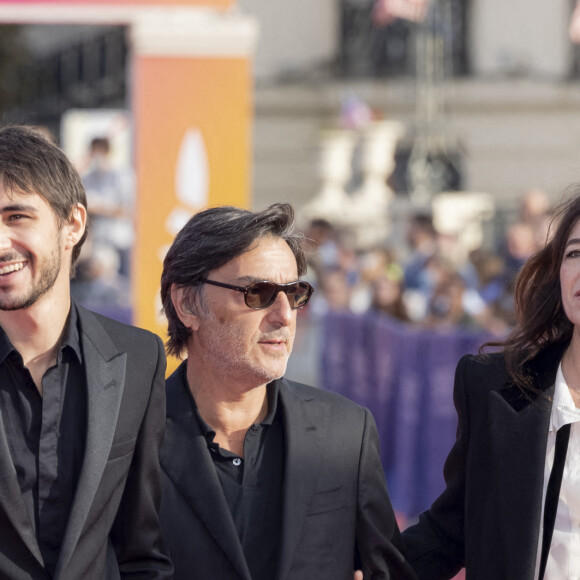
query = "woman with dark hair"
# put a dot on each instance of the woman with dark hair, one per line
(511, 507)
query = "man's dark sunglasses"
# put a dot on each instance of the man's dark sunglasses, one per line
(262, 294)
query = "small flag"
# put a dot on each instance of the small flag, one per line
(574, 30)
(385, 11)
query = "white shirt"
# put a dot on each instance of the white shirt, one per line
(564, 557)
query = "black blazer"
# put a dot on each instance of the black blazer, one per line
(488, 517)
(113, 528)
(335, 498)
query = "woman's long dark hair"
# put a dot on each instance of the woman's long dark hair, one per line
(540, 318)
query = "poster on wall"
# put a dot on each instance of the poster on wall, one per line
(98, 142)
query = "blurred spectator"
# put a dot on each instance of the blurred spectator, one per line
(422, 239)
(110, 200)
(98, 284)
(490, 270)
(325, 239)
(536, 212)
(333, 267)
(519, 245)
(432, 287)
(451, 302)
(387, 294)
(380, 286)
(376, 261)
(446, 306)
(418, 279)
(496, 289)
(334, 291)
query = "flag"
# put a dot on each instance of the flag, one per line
(574, 30)
(385, 11)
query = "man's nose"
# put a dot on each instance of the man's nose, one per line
(280, 310)
(5, 240)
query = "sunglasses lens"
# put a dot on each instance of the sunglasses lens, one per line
(298, 294)
(263, 294)
(260, 294)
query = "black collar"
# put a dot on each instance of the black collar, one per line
(71, 338)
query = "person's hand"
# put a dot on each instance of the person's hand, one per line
(358, 575)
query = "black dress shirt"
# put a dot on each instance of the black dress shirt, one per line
(252, 486)
(46, 434)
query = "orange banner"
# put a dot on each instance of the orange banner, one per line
(192, 110)
(192, 138)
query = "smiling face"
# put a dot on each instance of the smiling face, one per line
(230, 340)
(570, 276)
(33, 250)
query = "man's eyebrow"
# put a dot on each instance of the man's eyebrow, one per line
(249, 279)
(18, 207)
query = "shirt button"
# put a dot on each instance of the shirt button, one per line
(237, 461)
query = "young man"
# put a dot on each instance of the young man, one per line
(81, 396)
(263, 478)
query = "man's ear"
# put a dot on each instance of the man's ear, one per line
(75, 226)
(180, 300)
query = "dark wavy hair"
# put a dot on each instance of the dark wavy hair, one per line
(540, 318)
(30, 163)
(212, 238)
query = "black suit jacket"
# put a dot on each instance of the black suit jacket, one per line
(334, 495)
(488, 517)
(113, 527)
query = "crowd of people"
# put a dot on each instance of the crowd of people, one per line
(419, 280)
(416, 279)
(102, 280)
(230, 470)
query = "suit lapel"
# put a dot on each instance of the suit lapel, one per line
(105, 369)
(518, 433)
(11, 498)
(185, 458)
(302, 463)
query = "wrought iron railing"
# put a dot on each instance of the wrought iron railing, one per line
(86, 74)
(389, 51)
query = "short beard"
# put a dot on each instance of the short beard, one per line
(216, 333)
(50, 269)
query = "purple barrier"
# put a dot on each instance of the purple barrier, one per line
(404, 375)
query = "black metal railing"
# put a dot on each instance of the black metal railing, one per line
(389, 51)
(86, 74)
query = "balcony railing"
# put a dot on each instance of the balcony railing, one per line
(86, 74)
(389, 51)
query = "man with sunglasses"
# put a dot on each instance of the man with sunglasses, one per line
(263, 478)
